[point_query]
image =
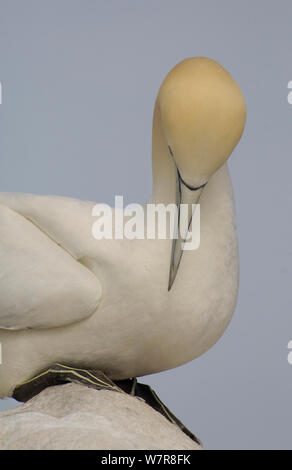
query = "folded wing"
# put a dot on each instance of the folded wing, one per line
(41, 284)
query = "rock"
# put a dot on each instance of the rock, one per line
(73, 416)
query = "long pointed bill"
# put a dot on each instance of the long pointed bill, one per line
(184, 195)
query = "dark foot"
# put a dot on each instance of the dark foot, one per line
(59, 374)
(132, 387)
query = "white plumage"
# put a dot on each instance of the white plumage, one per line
(66, 297)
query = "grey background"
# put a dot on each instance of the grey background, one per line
(79, 82)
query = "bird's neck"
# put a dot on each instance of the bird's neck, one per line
(163, 168)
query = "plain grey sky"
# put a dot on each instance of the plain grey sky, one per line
(79, 82)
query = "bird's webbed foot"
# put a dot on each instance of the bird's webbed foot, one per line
(140, 390)
(59, 374)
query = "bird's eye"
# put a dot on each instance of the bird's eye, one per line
(170, 150)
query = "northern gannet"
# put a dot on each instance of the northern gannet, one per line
(129, 307)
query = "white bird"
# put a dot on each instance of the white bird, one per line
(128, 307)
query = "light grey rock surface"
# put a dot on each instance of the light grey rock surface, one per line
(76, 417)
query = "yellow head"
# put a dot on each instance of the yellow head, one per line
(203, 115)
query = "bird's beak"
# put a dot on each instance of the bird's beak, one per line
(185, 194)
